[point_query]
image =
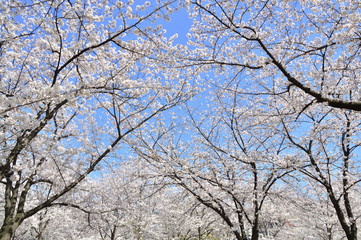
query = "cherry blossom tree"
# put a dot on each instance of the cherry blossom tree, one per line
(76, 78)
(309, 45)
(56, 223)
(137, 203)
(128, 202)
(312, 215)
(330, 147)
(229, 156)
(276, 126)
(301, 59)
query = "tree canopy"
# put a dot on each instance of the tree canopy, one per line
(249, 129)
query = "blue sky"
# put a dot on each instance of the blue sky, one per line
(180, 23)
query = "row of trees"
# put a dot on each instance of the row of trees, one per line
(127, 203)
(249, 130)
